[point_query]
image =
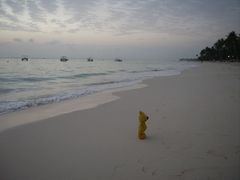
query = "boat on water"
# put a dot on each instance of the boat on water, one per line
(90, 59)
(63, 59)
(24, 58)
(118, 60)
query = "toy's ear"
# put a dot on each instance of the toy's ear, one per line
(140, 112)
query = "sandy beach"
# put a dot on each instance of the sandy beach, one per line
(193, 133)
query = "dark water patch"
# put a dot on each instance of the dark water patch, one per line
(148, 70)
(6, 79)
(111, 82)
(33, 79)
(88, 75)
(122, 70)
(102, 83)
(83, 75)
(14, 90)
(6, 90)
(23, 79)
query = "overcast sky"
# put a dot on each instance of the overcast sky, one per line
(155, 29)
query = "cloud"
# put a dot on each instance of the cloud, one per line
(132, 25)
(50, 6)
(173, 17)
(125, 17)
(16, 6)
(35, 11)
(31, 40)
(53, 42)
(17, 40)
(130, 17)
(7, 16)
(74, 30)
(14, 16)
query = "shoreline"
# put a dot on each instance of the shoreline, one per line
(193, 133)
(38, 113)
(43, 112)
(22, 90)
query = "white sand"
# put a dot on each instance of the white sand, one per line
(193, 133)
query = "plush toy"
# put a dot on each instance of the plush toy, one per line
(142, 125)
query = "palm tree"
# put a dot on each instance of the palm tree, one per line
(220, 48)
(223, 49)
(231, 45)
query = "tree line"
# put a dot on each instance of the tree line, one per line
(227, 49)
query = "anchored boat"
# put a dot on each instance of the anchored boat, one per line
(24, 58)
(63, 59)
(90, 59)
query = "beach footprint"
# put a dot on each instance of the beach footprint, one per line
(116, 168)
(184, 172)
(237, 151)
(152, 172)
(216, 154)
(147, 170)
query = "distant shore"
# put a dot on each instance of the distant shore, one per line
(212, 60)
(193, 133)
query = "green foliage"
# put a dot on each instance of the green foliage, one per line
(223, 50)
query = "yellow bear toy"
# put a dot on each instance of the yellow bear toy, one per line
(142, 125)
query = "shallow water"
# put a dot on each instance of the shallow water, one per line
(42, 81)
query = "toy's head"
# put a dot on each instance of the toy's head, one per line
(142, 116)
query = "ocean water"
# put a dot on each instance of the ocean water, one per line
(42, 81)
